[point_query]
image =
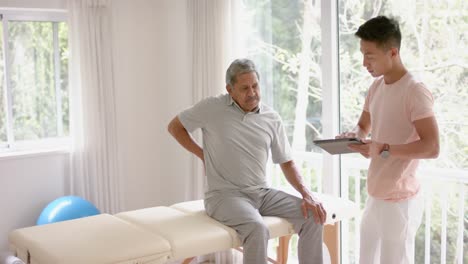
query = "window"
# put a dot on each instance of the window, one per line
(34, 72)
(290, 42)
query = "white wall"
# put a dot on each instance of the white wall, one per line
(27, 184)
(153, 81)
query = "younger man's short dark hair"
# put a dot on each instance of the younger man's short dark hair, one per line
(385, 32)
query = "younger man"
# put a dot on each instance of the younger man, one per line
(398, 114)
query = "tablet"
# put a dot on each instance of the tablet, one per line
(337, 146)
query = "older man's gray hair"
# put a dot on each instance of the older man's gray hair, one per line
(239, 66)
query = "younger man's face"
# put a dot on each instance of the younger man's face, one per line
(377, 60)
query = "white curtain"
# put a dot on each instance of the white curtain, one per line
(215, 43)
(94, 158)
(208, 61)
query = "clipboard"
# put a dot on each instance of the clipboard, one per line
(337, 146)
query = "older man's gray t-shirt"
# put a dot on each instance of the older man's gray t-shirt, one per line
(236, 145)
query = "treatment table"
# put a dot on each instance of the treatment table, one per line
(150, 236)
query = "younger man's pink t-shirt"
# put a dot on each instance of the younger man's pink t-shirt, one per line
(393, 109)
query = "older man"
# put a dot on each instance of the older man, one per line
(238, 134)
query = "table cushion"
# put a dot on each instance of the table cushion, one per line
(337, 208)
(189, 235)
(92, 240)
(277, 226)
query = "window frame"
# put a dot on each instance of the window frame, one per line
(330, 92)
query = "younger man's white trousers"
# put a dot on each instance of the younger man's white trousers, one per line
(388, 230)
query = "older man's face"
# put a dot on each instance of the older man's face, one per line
(246, 91)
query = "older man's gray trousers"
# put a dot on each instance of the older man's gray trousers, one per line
(243, 210)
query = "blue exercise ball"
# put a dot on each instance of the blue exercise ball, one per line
(66, 208)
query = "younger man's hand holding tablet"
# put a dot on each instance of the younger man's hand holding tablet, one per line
(340, 145)
(364, 148)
